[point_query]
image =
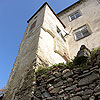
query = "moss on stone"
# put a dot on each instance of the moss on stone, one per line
(74, 63)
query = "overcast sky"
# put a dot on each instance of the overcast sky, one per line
(13, 22)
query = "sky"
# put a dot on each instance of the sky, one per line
(13, 22)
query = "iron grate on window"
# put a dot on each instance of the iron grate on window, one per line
(81, 32)
(74, 15)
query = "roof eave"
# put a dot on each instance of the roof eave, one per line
(78, 2)
(51, 10)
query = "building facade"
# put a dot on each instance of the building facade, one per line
(82, 20)
(52, 38)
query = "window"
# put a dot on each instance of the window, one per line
(58, 30)
(60, 33)
(32, 26)
(74, 15)
(81, 32)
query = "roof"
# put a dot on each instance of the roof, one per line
(68, 8)
(50, 9)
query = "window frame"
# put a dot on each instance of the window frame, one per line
(74, 14)
(82, 32)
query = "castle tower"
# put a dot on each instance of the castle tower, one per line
(43, 44)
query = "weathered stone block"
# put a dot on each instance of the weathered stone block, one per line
(57, 74)
(58, 84)
(76, 98)
(88, 92)
(85, 97)
(46, 95)
(65, 71)
(55, 90)
(68, 74)
(89, 79)
(71, 88)
(92, 98)
(51, 79)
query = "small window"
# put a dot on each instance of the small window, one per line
(60, 33)
(32, 26)
(74, 15)
(81, 32)
(58, 30)
(35, 17)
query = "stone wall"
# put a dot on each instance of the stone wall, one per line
(61, 83)
(36, 49)
(25, 60)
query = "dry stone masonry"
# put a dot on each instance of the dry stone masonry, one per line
(61, 83)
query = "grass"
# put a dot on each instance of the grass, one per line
(70, 65)
(43, 70)
(95, 50)
(74, 63)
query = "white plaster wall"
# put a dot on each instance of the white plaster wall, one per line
(46, 41)
(90, 15)
(46, 49)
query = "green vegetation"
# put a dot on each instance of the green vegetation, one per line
(70, 65)
(43, 70)
(74, 63)
(94, 51)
